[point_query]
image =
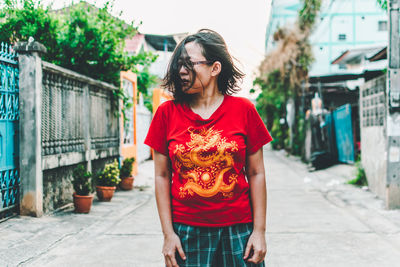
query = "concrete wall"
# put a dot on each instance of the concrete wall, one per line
(373, 134)
(57, 187)
(66, 119)
(373, 155)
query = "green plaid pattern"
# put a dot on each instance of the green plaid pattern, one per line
(214, 246)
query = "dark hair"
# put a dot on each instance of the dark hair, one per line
(213, 49)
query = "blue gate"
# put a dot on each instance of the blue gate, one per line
(9, 117)
(344, 133)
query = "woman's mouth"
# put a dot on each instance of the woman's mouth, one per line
(185, 82)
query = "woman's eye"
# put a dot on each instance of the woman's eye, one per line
(185, 63)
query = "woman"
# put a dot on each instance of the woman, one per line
(209, 170)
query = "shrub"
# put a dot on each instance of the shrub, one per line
(361, 177)
(126, 168)
(82, 181)
(109, 176)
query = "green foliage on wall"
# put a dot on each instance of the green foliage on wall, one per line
(308, 13)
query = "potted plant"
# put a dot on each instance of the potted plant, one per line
(126, 174)
(82, 185)
(107, 180)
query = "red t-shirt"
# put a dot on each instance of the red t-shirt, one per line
(209, 187)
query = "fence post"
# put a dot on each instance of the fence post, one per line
(30, 144)
(86, 126)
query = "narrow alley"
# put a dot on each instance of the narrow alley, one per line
(314, 219)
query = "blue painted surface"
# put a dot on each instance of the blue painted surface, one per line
(9, 120)
(344, 133)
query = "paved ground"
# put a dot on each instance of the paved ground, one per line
(314, 219)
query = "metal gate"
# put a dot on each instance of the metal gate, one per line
(9, 117)
(344, 133)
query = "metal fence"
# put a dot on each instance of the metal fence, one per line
(9, 117)
(66, 110)
(62, 129)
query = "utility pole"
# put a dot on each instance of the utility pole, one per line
(393, 110)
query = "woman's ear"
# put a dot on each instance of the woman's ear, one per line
(216, 68)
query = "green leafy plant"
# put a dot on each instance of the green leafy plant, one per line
(127, 103)
(81, 37)
(146, 80)
(382, 4)
(109, 176)
(89, 46)
(21, 19)
(281, 74)
(81, 181)
(126, 168)
(361, 177)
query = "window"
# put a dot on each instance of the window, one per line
(382, 25)
(342, 37)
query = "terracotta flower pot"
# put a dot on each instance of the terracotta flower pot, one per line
(105, 193)
(127, 183)
(82, 204)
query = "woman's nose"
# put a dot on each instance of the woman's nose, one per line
(183, 70)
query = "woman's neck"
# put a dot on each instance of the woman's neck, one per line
(209, 98)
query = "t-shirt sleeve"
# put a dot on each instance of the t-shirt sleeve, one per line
(257, 133)
(157, 134)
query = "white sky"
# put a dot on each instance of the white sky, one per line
(242, 23)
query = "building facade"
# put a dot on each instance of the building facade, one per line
(341, 25)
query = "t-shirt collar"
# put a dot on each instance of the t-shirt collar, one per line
(196, 117)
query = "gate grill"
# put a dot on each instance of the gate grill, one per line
(9, 117)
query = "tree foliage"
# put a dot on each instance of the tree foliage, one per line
(308, 13)
(146, 80)
(82, 38)
(282, 72)
(383, 4)
(20, 20)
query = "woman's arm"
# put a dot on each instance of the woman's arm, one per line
(255, 173)
(163, 198)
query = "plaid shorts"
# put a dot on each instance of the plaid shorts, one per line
(214, 246)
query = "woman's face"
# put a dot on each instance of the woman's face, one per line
(203, 71)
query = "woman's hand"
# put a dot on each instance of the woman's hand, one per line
(256, 248)
(171, 245)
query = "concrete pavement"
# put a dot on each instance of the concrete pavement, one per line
(314, 219)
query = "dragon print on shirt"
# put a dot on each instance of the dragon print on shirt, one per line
(204, 161)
